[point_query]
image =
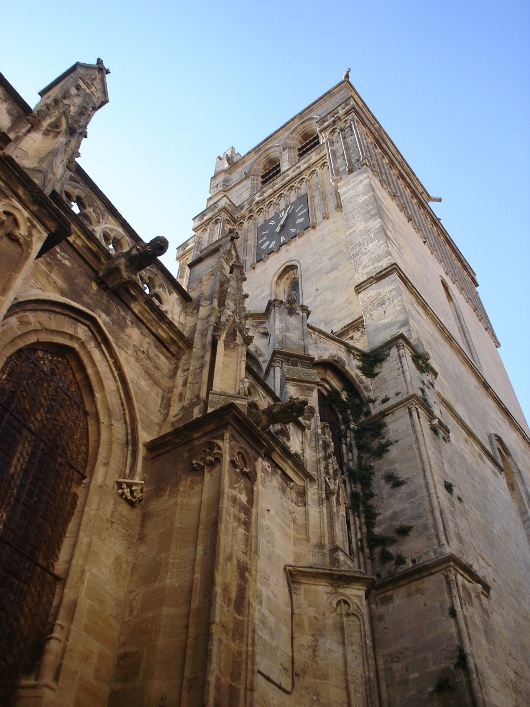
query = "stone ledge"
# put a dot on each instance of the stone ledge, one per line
(330, 576)
(450, 561)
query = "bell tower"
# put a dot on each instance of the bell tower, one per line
(360, 302)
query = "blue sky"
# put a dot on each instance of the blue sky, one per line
(449, 81)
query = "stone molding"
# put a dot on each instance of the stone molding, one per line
(435, 565)
(330, 576)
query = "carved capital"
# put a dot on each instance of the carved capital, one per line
(131, 490)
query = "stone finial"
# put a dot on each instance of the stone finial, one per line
(48, 145)
(234, 311)
(346, 76)
(124, 267)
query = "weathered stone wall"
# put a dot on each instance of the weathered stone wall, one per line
(249, 573)
(127, 372)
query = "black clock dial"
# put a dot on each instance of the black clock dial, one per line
(283, 226)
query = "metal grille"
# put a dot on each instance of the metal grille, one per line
(270, 174)
(43, 456)
(308, 145)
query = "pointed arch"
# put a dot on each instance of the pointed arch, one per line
(288, 279)
(44, 446)
(337, 396)
(73, 340)
(461, 325)
(304, 137)
(514, 480)
(268, 165)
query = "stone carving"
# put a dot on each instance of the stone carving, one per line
(131, 490)
(307, 417)
(124, 267)
(9, 227)
(49, 146)
(239, 462)
(209, 455)
(277, 413)
(332, 471)
(291, 303)
(234, 302)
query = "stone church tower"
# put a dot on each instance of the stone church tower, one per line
(296, 475)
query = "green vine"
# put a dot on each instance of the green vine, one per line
(385, 555)
(404, 529)
(369, 360)
(461, 661)
(394, 480)
(449, 487)
(421, 361)
(400, 560)
(444, 684)
(371, 445)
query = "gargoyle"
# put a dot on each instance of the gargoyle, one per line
(126, 266)
(278, 413)
(143, 254)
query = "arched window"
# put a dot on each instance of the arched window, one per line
(254, 362)
(330, 416)
(340, 405)
(287, 286)
(512, 477)
(43, 459)
(271, 170)
(309, 139)
(465, 337)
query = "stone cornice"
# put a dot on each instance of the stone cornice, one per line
(86, 181)
(33, 199)
(154, 318)
(395, 269)
(330, 576)
(334, 338)
(15, 95)
(264, 443)
(428, 568)
(467, 429)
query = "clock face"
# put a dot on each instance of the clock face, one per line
(283, 226)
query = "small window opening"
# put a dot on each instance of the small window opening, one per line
(272, 170)
(309, 140)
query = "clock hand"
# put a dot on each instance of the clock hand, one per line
(282, 221)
